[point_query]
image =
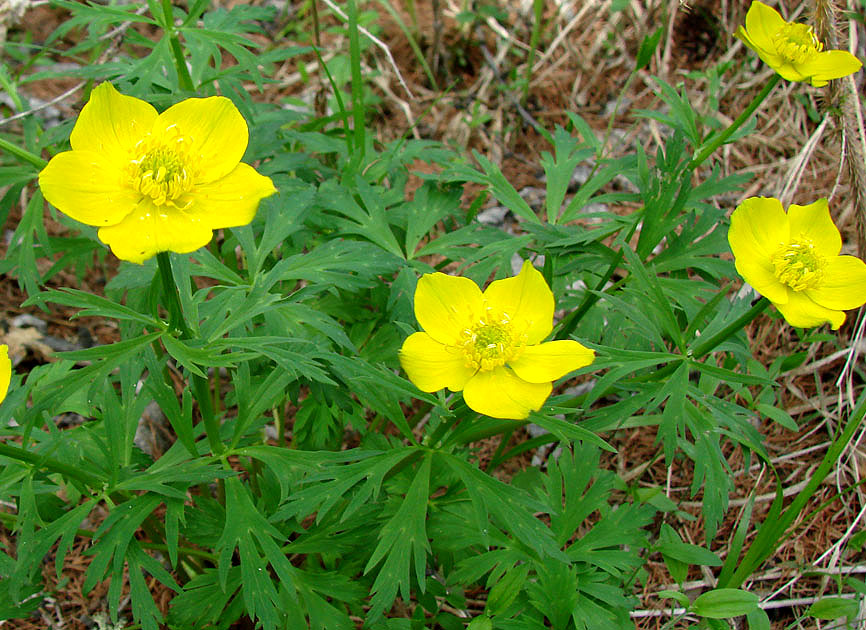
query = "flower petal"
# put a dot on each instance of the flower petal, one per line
(526, 300)
(5, 371)
(218, 133)
(432, 365)
(762, 23)
(830, 64)
(88, 187)
(112, 123)
(232, 200)
(548, 361)
(446, 305)
(813, 222)
(149, 230)
(802, 312)
(759, 226)
(843, 285)
(500, 393)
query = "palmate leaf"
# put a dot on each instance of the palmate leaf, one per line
(338, 481)
(513, 509)
(244, 527)
(116, 548)
(401, 540)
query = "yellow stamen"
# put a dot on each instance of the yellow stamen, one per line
(798, 265)
(796, 43)
(161, 169)
(491, 341)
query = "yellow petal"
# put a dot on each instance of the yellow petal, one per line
(216, 129)
(762, 23)
(830, 64)
(112, 123)
(526, 300)
(446, 305)
(843, 285)
(432, 365)
(767, 55)
(500, 393)
(548, 361)
(149, 230)
(789, 71)
(813, 222)
(5, 371)
(87, 186)
(232, 200)
(802, 312)
(759, 226)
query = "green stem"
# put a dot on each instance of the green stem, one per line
(707, 345)
(199, 385)
(742, 118)
(50, 464)
(23, 154)
(183, 75)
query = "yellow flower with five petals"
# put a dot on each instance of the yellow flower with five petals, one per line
(793, 260)
(155, 182)
(792, 49)
(489, 345)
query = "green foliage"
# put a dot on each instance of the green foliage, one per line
(306, 481)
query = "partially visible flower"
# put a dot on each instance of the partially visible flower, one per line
(793, 260)
(489, 345)
(5, 371)
(155, 182)
(792, 49)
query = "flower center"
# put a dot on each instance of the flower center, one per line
(796, 43)
(162, 169)
(798, 265)
(491, 342)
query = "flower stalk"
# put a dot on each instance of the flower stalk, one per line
(23, 154)
(183, 75)
(744, 116)
(199, 385)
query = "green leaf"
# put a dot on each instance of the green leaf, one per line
(778, 415)
(690, 554)
(501, 188)
(676, 567)
(244, 527)
(682, 598)
(647, 47)
(401, 540)
(723, 603)
(91, 305)
(559, 169)
(505, 591)
(758, 620)
(834, 608)
(512, 508)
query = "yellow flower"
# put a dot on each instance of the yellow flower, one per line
(793, 260)
(488, 344)
(791, 49)
(155, 182)
(5, 371)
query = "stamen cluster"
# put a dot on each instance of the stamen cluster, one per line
(491, 342)
(798, 265)
(797, 42)
(161, 169)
